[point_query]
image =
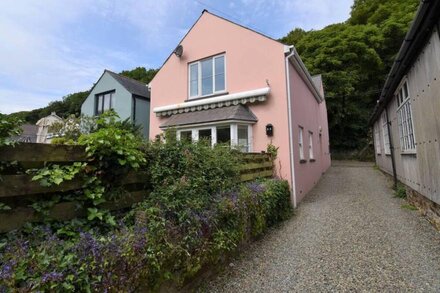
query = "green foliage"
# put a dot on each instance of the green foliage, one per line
(400, 191)
(113, 143)
(354, 58)
(9, 126)
(141, 74)
(272, 151)
(56, 174)
(153, 244)
(196, 212)
(409, 207)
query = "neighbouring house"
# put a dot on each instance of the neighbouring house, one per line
(28, 134)
(406, 120)
(44, 134)
(129, 98)
(226, 83)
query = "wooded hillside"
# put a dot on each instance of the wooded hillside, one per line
(354, 58)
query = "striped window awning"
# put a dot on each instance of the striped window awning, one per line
(252, 96)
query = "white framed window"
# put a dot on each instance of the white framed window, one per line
(377, 138)
(301, 143)
(104, 102)
(405, 121)
(386, 137)
(232, 134)
(311, 155)
(207, 77)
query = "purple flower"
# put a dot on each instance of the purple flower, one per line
(5, 272)
(52, 277)
(256, 188)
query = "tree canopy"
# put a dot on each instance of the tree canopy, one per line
(354, 58)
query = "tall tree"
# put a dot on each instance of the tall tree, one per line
(354, 58)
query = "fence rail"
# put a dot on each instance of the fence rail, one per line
(13, 187)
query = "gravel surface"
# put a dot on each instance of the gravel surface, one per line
(348, 234)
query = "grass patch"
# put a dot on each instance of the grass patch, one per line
(400, 191)
(409, 207)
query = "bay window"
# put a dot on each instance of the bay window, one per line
(235, 135)
(207, 77)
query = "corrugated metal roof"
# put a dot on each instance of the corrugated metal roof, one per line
(238, 112)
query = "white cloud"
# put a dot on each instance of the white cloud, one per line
(50, 48)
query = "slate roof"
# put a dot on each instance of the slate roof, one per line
(238, 112)
(29, 133)
(133, 86)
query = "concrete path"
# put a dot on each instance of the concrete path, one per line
(349, 234)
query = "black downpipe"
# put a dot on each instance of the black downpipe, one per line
(390, 138)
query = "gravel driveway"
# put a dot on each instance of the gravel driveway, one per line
(349, 234)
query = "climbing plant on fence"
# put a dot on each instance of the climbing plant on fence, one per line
(197, 210)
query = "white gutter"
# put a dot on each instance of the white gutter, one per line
(289, 115)
(304, 73)
(224, 98)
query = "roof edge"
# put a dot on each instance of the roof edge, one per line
(419, 32)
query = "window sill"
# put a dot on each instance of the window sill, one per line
(408, 153)
(208, 96)
(312, 160)
(302, 161)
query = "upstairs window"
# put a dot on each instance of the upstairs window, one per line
(386, 137)
(405, 121)
(104, 102)
(207, 77)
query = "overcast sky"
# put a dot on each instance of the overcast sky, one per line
(50, 48)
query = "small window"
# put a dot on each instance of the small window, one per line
(377, 138)
(405, 121)
(311, 156)
(207, 77)
(104, 102)
(386, 138)
(301, 143)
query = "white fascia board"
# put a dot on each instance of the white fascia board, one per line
(296, 61)
(252, 93)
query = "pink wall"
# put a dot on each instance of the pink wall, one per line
(311, 115)
(251, 59)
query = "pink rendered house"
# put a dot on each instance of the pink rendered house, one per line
(229, 84)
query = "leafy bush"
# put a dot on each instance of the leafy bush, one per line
(149, 246)
(9, 126)
(197, 212)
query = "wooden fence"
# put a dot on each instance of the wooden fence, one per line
(19, 188)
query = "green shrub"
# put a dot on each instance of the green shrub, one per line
(152, 244)
(197, 212)
(400, 191)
